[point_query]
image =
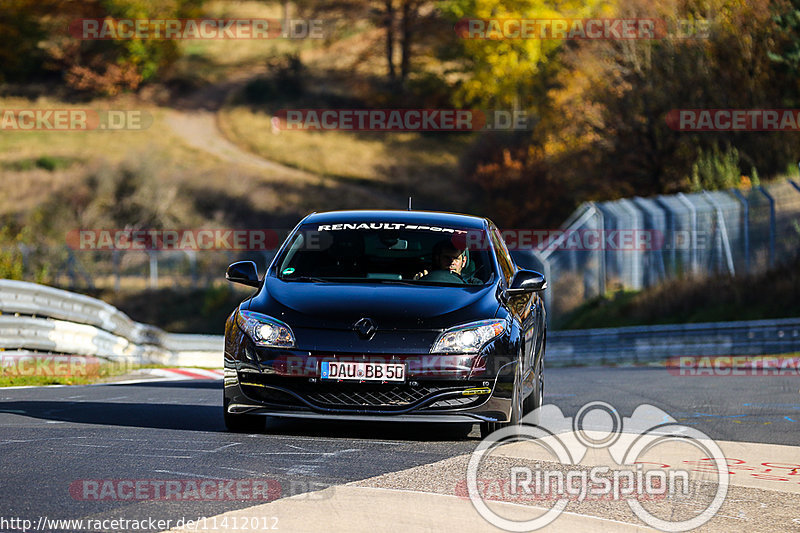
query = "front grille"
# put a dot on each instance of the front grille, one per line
(358, 396)
(370, 396)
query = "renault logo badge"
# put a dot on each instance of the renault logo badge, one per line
(365, 328)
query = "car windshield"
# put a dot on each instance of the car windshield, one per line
(385, 253)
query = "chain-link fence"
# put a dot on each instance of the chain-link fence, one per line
(641, 242)
(629, 243)
(64, 266)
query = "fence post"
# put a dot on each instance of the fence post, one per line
(601, 264)
(636, 255)
(772, 225)
(192, 256)
(670, 239)
(693, 224)
(153, 270)
(746, 229)
(25, 251)
(726, 244)
(115, 261)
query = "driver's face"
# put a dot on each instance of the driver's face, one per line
(452, 261)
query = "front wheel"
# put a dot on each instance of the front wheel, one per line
(517, 408)
(536, 398)
(487, 428)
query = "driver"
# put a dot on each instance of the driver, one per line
(448, 262)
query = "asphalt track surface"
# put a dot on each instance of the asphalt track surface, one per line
(53, 437)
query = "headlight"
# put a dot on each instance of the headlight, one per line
(265, 330)
(468, 338)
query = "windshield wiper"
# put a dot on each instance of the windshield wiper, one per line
(308, 278)
(386, 280)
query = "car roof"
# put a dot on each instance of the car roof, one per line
(434, 218)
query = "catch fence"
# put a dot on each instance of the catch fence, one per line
(635, 243)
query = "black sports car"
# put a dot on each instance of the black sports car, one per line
(401, 315)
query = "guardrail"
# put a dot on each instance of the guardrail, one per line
(655, 343)
(44, 319)
(38, 318)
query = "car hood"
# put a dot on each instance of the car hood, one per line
(390, 306)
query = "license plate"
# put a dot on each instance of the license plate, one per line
(363, 371)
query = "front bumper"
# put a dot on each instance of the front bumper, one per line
(464, 388)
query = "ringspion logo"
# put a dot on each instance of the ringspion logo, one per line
(635, 472)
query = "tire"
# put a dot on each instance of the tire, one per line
(241, 423)
(517, 408)
(487, 428)
(536, 397)
(517, 399)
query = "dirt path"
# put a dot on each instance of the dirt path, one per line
(194, 119)
(199, 130)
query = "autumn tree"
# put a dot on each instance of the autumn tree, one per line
(633, 85)
(34, 39)
(22, 28)
(602, 104)
(406, 28)
(516, 175)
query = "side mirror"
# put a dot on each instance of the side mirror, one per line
(526, 281)
(243, 272)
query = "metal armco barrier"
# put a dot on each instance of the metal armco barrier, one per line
(656, 343)
(37, 318)
(43, 319)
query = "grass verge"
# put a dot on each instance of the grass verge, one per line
(21, 376)
(771, 294)
(426, 164)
